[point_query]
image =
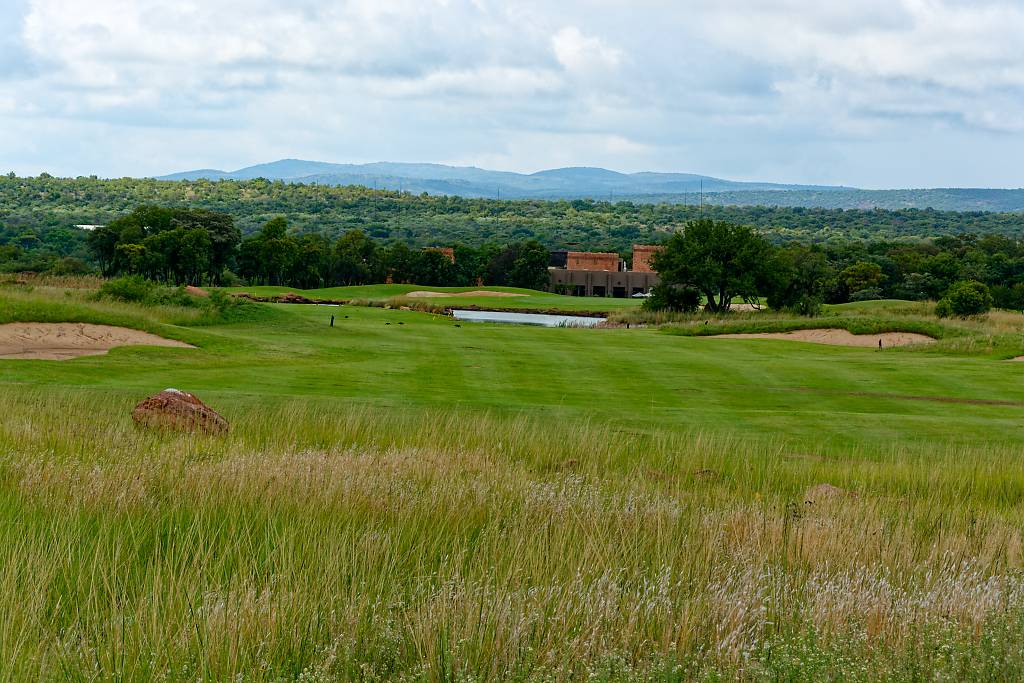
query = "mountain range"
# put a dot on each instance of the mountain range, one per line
(602, 184)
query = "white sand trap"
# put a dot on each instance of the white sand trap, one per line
(476, 292)
(838, 337)
(61, 341)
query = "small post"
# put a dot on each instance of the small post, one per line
(332, 321)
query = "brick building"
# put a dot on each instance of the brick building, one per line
(594, 260)
(642, 254)
(582, 273)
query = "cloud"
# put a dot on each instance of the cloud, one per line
(804, 91)
(908, 57)
(578, 52)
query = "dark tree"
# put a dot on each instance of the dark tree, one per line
(721, 260)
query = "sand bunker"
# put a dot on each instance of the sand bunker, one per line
(838, 337)
(60, 341)
(476, 292)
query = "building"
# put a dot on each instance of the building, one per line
(594, 260)
(587, 273)
(642, 254)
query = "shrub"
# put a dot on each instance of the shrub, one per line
(672, 298)
(138, 290)
(809, 306)
(131, 288)
(965, 298)
(869, 294)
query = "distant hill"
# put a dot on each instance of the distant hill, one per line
(602, 184)
(469, 181)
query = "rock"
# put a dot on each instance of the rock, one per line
(178, 411)
(825, 493)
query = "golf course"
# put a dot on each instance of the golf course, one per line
(403, 496)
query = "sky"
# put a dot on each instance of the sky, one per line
(868, 93)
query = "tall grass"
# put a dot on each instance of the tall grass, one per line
(440, 546)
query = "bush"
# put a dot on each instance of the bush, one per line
(870, 294)
(69, 265)
(809, 306)
(964, 299)
(672, 298)
(138, 290)
(218, 307)
(132, 289)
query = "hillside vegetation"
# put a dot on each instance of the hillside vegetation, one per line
(44, 210)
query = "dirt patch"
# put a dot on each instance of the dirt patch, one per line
(425, 294)
(61, 341)
(839, 337)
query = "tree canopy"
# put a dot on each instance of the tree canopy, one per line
(721, 260)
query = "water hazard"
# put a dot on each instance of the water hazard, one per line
(542, 319)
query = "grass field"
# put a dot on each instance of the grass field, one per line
(527, 298)
(404, 499)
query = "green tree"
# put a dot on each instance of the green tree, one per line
(672, 298)
(798, 279)
(721, 260)
(520, 264)
(965, 298)
(357, 259)
(861, 275)
(530, 266)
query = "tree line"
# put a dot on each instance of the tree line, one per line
(715, 262)
(36, 207)
(196, 246)
(199, 246)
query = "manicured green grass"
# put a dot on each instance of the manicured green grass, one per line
(528, 299)
(405, 499)
(815, 396)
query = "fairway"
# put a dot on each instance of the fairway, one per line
(637, 379)
(529, 299)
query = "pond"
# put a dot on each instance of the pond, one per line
(543, 319)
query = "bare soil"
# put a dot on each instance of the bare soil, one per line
(61, 341)
(838, 337)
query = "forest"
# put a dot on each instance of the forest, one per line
(310, 235)
(197, 246)
(39, 214)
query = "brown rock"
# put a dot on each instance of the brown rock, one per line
(178, 411)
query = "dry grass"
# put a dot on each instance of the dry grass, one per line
(374, 546)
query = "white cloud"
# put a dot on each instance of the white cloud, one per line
(807, 91)
(578, 52)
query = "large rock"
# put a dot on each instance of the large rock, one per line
(179, 411)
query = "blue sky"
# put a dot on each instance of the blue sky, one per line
(873, 93)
